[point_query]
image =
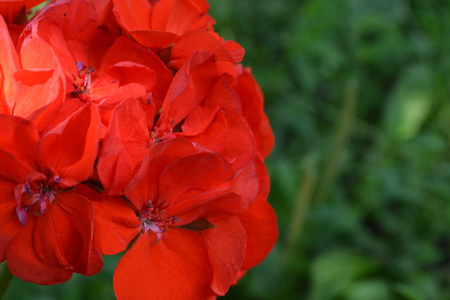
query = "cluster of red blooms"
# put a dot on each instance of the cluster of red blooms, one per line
(130, 125)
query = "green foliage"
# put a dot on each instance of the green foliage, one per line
(374, 222)
(359, 98)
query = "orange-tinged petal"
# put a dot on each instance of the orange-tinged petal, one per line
(175, 16)
(9, 61)
(55, 25)
(174, 268)
(133, 15)
(41, 80)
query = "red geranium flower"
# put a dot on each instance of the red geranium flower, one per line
(158, 24)
(200, 106)
(189, 240)
(46, 220)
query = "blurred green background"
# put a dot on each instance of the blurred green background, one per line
(358, 95)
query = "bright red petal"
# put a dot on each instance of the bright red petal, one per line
(174, 268)
(9, 222)
(19, 137)
(73, 217)
(189, 178)
(133, 15)
(260, 223)
(124, 49)
(144, 187)
(9, 61)
(33, 256)
(72, 147)
(124, 146)
(116, 224)
(189, 87)
(224, 51)
(175, 16)
(226, 249)
(253, 110)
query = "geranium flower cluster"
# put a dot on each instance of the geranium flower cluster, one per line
(130, 126)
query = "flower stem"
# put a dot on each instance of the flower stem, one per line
(5, 279)
(342, 136)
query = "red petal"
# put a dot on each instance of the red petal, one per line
(9, 222)
(226, 250)
(222, 134)
(71, 148)
(154, 39)
(199, 120)
(193, 180)
(189, 87)
(247, 184)
(73, 221)
(260, 223)
(220, 206)
(27, 261)
(133, 15)
(203, 40)
(174, 268)
(253, 110)
(9, 61)
(41, 80)
(144, 188)
(124, 49)
(126, 72)
(124, 146)
(175, 16)
(19, 137)
(116, 224)
(55, 25)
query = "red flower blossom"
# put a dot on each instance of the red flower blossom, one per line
(158, 24)
(141, 107)
(179, 193)
(97, 66)
(46, 220)
(200, 106)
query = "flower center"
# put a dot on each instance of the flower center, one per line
(154, 220)
(34, 195)
(83, 80)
